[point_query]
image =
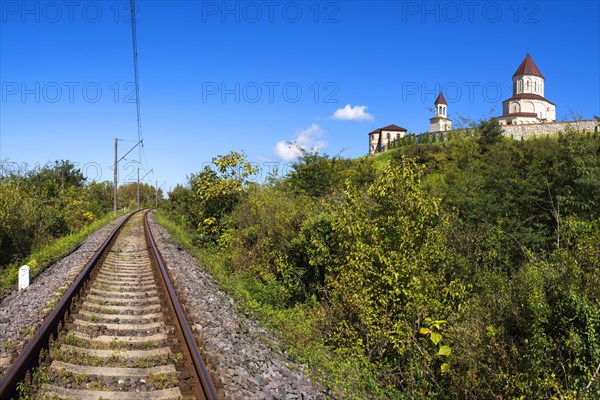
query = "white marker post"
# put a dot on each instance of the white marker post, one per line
(24, 277)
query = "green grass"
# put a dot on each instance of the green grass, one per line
(346, 373)
(381, 159)
(40, 259)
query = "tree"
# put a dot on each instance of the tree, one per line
(216, 190)
(387, 275)
(490, 132)
(316, 175)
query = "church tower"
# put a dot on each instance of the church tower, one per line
(527, 104)
(440, 121)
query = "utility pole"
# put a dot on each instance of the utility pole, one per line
(138, 189)
(116, 169)
(115, 180)
(156, 200)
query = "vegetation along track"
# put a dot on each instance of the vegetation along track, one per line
(118, 333)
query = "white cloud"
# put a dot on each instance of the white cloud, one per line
(306, 140)
(349, 113)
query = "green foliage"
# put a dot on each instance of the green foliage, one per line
(44, 213)
(127, 195)
(464, 268)
(39, 206)
(387, 275)
(347, 372)
(316, 175)
(212, 194)
(48, 254)
(490, 132)
(267, 247)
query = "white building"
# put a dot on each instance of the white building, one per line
(527, 104)
(380, 139)
(440, 121)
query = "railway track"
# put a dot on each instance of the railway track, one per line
(118, 333)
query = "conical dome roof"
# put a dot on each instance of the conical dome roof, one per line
(528, 67)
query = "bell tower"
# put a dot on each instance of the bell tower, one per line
(440, 121)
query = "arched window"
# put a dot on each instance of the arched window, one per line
(388, 136)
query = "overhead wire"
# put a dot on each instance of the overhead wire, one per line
(135, 71)
(145, 165)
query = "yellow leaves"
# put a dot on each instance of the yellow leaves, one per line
(444, 351)
(234, 165)
(210, 224)
(437, 324)
(436, 337)
(89, 216)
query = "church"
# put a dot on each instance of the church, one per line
(527, 104)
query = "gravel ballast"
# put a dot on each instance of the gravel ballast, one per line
(239, 354)
(22, 312)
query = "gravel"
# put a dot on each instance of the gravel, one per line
(22, 312)
(240, 355)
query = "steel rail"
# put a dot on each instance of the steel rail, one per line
(207, 387)
(28, 359)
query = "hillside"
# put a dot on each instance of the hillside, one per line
(465, 269)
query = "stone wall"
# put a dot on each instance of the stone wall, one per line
(527, 131)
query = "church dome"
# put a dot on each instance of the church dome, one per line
(528, 67)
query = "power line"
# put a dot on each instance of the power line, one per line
(135, 71)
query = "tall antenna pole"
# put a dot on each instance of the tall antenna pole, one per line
(115, 179)
(156, 200)
(135, 71)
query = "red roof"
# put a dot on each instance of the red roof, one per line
(440, 99)
(392, 127)
(528, 67)
(518, 114)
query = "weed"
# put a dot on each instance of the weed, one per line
(24, 390)
(41, 375)
(27, 331)
(161, 380)
(9, 346)
(148, 344)
(176, 357)
(96, 385)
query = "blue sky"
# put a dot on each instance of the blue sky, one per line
(221, 76)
